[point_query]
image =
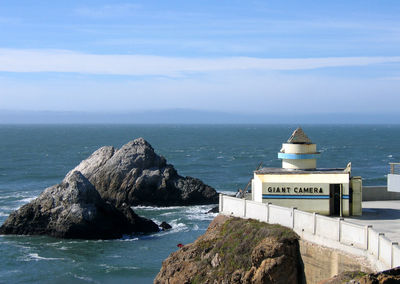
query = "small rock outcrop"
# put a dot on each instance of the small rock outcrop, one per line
(165, 226)
(359, 277)
(74, 209)
(213, 210)
(136, 175)
(236, 250)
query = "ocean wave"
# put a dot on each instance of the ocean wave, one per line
(85, 278)
(177, 227)
(227, 192)
(27, 199)
(114, 256)
(155, 208)
(110, 268)
(37, 257)
(128, 238)
(167, 213)
(199, 213)
(9, 208)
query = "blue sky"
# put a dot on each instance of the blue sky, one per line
(230, 56)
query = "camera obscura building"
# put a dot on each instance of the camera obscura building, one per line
(299, 183)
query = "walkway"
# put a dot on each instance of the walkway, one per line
(384, 216)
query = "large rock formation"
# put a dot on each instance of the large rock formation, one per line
(136, 175)
(236, 250)
(74, 209)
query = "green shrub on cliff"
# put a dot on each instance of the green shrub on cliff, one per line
(235, 245)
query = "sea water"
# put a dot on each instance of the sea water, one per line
(33, 157)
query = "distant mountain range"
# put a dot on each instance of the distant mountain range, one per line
(187, 116)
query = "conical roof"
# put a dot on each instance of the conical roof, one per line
(299, 137)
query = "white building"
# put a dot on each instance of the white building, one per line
(299, 183)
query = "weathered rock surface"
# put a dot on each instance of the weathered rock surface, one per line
(136, 175)
(213, 210)
(165, 226)
(236, 250)
(74, 209)
(390, 276)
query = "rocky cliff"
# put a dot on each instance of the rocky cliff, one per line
(93, 201)
(236, 250)
(136, 175)
(390, 276)
(74, 209)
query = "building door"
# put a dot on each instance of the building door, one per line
(334, 195)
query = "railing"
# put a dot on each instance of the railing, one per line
(393, 179)
(395, 168)
(329, 231)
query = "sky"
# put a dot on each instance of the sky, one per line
(249, 57)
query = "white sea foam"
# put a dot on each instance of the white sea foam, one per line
(177, 226)
(54, 244)
(2, 214)
(8, 208)
(127, 238)
(154, 208)
(36, 257)
(199, 213)
(114, 256)
(110, 268)
(84, 278)
(227, 192)
(390, 156)
(27, 200)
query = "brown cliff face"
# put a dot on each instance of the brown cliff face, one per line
(390, 276)
(236, 250)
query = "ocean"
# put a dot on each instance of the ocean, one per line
(34, 157)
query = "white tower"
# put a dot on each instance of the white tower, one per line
(299, 152)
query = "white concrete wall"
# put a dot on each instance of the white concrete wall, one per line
(304, 221)
(327, 227)
(328, 231)
(373, 242)
(385, 250)
(233, 206)
(374, 193)
(280, 215)
(256, 210)
(307, 178)
(393, 182)
(354, 235)
(256, 189)
(396, 255)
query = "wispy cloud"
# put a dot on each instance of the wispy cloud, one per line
(16, 60)
(223, 91)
